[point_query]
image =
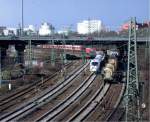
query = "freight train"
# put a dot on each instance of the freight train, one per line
(110, 69)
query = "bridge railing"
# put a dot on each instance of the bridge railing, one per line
(46, 38)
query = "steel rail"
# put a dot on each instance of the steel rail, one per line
(36, 102)
(117, 103)
(90, 105)
(8, 102)
(69, 100)
(26, 89)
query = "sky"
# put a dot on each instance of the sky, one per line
(63, 13)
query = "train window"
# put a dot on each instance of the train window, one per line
(94, 63)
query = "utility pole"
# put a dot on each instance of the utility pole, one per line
(89, 27)
(132, 87)
(64, 61)
(83, 56)
(22, 23)
(30, 53)
(0, 69)
(98, 30)
(64, 53)
(52, 54)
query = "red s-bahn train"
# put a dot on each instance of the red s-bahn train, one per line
(64, 47)
(68, 47)
(87, 50)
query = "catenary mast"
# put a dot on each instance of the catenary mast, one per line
(132, 88)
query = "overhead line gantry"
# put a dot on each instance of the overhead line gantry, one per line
(132, 87)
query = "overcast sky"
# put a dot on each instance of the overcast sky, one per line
(68, 12)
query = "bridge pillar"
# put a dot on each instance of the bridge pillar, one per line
(3, 54)
(20, 52)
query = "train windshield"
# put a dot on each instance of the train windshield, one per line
(94, 63)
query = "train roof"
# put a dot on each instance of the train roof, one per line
(112, 53)
(99, 56)
(96, 59)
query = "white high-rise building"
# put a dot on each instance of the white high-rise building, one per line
(89, 26)
(45, 29)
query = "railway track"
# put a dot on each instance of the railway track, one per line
(17, 97)
(118, 112)
(71, 87)
(97, 109)
(81, 101)
(69, 100)
(84, 112)
(90, 105)
(100, 107)
(32, 105)
(107, 105)
(11, 96)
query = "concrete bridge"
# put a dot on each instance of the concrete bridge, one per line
(21, 41)
(45, 39)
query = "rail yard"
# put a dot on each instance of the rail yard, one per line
(72, 91)
(77, 61)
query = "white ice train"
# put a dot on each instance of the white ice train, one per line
(97, 63)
